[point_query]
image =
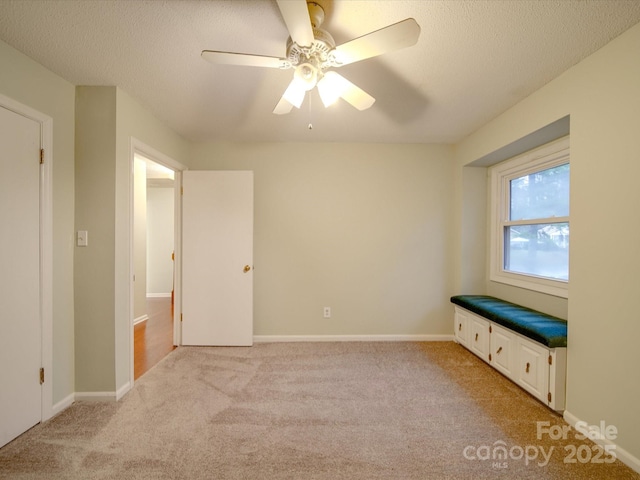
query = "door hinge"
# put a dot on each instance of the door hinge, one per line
(549, 397)
(180, 317)
(489, 357)
(41, 376)
(41, 156)
(490, 329)
(550, 360)
(181, 190)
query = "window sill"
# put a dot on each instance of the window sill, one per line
(542, 285)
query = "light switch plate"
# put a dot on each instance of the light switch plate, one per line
(82, 238)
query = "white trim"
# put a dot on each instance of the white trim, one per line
(351, 338)
(621, 454)
(46, 246)
(546, 156)
(177, 260)
(63, 404)
(90, 397)
(140, 148)
(46, 265)
(159, 295)
(123, 390)
(155, 155)
(140, 319)
(95, 396)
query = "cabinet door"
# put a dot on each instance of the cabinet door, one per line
(533, 368)
(503, 350)
(460, 326)
(479, 338)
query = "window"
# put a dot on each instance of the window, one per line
(530, 220)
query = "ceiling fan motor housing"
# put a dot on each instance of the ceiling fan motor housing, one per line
(316, 14)
(320, 53)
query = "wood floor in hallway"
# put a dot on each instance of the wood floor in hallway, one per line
(153, 338)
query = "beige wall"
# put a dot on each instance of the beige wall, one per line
(364, 229)
(29, 83)
(160, 243)
(602, 96)
(94, 267)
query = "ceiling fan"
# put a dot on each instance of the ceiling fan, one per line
(312, 52)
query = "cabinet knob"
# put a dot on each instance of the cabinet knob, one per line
(499, 350)
(476, 337)
(459, 327)
(527, 368)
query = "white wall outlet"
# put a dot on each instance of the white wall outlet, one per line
(327, 312)
(82, 238)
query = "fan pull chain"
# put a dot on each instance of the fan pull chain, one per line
(310, 126)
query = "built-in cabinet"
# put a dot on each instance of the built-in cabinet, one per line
(539, 370)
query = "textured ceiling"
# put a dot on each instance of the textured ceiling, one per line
(474, 59)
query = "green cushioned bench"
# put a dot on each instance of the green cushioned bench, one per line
(545, 329)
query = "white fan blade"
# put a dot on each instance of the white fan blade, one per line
(296, 16)
(294, 93)
(333, 86)
(292, 97)
(394, 37)
(283, 107)
(244, 59)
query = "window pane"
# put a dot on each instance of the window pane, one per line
(541, 250)
(543, 194)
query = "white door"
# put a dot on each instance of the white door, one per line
(217, 258)
(20, 324)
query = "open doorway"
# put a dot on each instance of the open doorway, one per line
(153, 263)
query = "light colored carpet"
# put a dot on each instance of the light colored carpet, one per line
(305, 411)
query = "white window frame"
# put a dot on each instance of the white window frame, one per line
(542, 158)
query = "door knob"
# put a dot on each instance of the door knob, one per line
(246, 268)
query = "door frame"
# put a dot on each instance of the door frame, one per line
(46, 246)
(140, 148)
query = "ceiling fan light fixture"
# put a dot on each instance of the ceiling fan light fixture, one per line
(331, 87)
(305, 78)
(307, 75)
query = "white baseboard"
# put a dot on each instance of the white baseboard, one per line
(621, 454)
(140, 319)
(90, 397)
(351, 338)
(95, 396)
(103, 396)
(63, 404)
(122, 391)
(159, 295)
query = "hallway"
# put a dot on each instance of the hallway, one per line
(153, 338)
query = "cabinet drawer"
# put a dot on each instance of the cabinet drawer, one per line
(503, 351)
(532, 368)
(460, 326)
(479, 336)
